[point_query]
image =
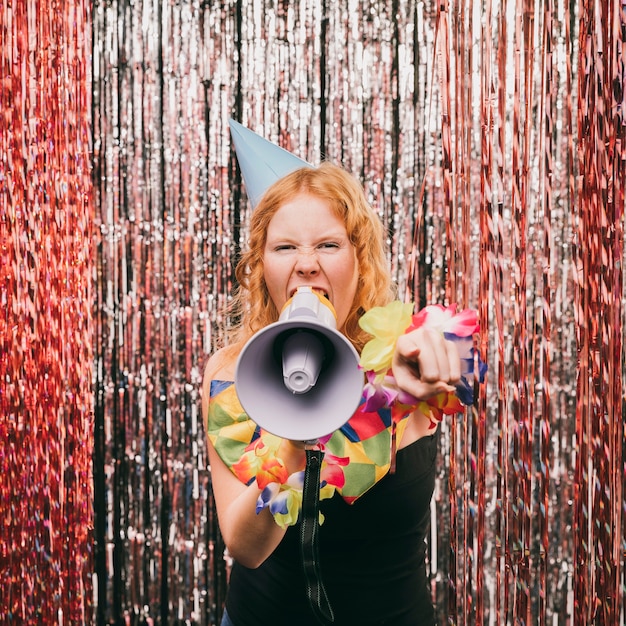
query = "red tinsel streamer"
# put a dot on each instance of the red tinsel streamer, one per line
(600, 407)
(489, 136)
(543, 316)
(46, 356)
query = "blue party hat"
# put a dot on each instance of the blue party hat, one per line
(261, 162)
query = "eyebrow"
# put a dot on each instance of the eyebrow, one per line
(324, 237)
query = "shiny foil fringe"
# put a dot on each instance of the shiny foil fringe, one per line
(46, 326)
(488, 134)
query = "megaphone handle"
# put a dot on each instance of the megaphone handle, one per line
(309, 538)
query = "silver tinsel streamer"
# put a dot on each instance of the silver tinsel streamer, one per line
(489, 135)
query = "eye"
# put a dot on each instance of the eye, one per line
(284, 246)
(329, 245)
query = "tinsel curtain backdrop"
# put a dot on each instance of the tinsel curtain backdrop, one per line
(489, 134)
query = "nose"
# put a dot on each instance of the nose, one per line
(307, 263)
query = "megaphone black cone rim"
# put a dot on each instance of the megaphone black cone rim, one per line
(300, 417)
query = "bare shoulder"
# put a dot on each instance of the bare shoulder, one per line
(220, 366)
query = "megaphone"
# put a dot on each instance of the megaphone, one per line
(299, 378)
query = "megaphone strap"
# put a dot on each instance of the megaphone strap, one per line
(309, 539)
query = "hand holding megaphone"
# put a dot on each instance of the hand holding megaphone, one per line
(299, 378)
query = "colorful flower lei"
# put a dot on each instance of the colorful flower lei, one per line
(282, 492)
(386, 324)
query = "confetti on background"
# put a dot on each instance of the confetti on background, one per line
(490, 136)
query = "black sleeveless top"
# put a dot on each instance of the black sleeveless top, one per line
(372, 556)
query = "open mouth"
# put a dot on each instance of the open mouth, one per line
(319, 292)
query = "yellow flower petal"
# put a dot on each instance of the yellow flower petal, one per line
(391, 319)
(385, 324)
(377, 354)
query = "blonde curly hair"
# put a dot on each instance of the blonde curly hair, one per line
(252, 306)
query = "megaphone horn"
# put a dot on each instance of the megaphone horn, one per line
(299, 378)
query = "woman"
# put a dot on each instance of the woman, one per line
(315, 228)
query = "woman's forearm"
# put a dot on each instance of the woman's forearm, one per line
(250, 537)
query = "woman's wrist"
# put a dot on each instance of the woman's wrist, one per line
(292, 454)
